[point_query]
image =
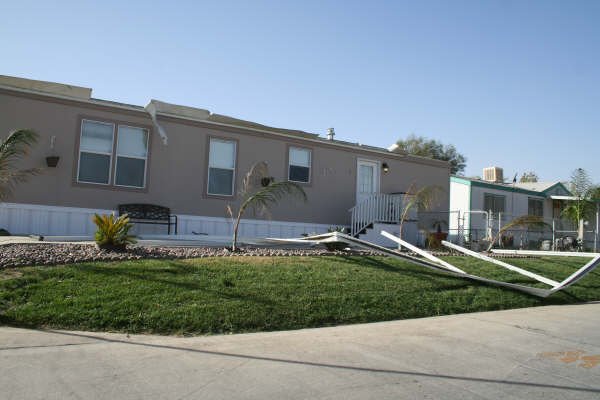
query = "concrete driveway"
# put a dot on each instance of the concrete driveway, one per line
(548, 352)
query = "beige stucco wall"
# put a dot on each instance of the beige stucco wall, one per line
(176, 175)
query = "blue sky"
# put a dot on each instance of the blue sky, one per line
(509, 83)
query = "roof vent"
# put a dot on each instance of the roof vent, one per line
(330, 133)
(493, 174)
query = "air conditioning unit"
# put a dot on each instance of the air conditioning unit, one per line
(493, 174)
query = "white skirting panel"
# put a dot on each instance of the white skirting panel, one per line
(190, 224)
(26, 219)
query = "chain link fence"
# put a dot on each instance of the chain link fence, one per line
(475, 229)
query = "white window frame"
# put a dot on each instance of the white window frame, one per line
(138, 158)
(216, 139)
(304, 166)
(83, 120)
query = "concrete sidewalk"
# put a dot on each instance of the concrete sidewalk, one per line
(547, 352)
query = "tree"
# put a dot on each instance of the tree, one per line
(421, 146)
(259, 192)
(585, 195)
(12, 149)
(529, 177)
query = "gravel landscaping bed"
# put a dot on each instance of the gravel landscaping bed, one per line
(22, 254)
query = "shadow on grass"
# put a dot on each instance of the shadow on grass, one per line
(413, 271)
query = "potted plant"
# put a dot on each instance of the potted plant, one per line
(508, 241)
(435, 238)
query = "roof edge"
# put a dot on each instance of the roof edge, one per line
(555, 185)
(84, 95)
(71, 91)
(416, 159)
(495, 186)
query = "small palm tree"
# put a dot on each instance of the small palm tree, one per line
(420, 199)
(259, 192)
(524, 221)
(113, 232)
(12, 149)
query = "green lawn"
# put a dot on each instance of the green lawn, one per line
(241, 294)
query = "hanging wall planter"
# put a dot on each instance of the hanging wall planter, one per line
(52, 161)
(267, 180)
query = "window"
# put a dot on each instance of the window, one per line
(536, 207)
(221, 167)
(365, 179)
(299, 165)
(132, 151)
(97, 152)
(494, 202)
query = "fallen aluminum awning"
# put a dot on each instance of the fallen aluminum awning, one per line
(433, 262)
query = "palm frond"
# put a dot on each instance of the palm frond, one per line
(253, 179)
(524, 221)
(17, 144)
(269, 195)
(422, 199)
(12, 149)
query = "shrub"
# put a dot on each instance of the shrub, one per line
(113, 232)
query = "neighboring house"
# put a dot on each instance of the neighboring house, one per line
(191, 161)
(477, 205)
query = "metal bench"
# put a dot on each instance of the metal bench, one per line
(149, 214)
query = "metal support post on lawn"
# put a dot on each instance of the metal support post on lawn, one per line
(460, 232)
(596, 231)
(499, 228)
(553, 236)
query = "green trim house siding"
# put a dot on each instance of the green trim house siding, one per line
(559, 184)
(466, 182)
(502, 187)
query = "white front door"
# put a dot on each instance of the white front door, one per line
(367, 179)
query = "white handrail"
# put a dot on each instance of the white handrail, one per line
(380, 207)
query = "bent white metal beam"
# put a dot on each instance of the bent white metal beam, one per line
(422, 253)
(527, 289)
(580, 273)
(542, 253)
(521, 271)
(340, 237)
